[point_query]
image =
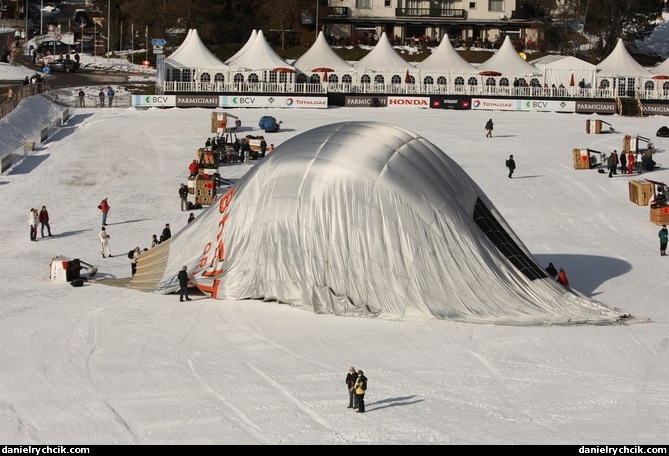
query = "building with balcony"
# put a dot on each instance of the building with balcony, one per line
(471, 23)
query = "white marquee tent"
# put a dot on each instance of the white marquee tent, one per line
(445, 60)
(566, 70)
(507, 62)
(244, 48)
(319, 58)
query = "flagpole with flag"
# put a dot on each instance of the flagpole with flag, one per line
(146, 36)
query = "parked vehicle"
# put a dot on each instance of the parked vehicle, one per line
(63, 65)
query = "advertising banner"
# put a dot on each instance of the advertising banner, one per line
(450, 102)
(262, 101)
(147, 101)
(366, 101)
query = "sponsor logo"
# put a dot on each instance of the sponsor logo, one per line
(243, 100)
(591, 107)
(156, 99)
(197, 100)
(289, 102)
(299, 102)
(366, 101)
(656, 109)
(408, 102)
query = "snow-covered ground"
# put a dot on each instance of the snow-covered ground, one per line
(104, 364)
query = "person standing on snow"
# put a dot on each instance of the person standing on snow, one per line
(360, 389)
(183, 195)
(351, 378)
(511, 164)
(102, 98)
(167, 233)
(183, 284)
(44, 221)
(110, 95)
(133, 261)
(82, 99)
(33, 220)
(104, 243)
(104, 208)
(663, 234)
(488, 126)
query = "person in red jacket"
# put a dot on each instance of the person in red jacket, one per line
(562, 278)
(193, 168)
(104, 208)
(630, 163)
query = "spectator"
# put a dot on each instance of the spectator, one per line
(110, 95)
(489, 128)
(191, 217)
(183, 195)
(351, 377)
(183, 284)
(102, 98)
(511, 164)
(44, 221)
(360, 389)
(33, 220)
(154, 241)
(133, 261)
(193, 168)
(104, 243)
(104, 208)
(82, 99)
(663, 234)
(167, 233)
(550, 269)
(562, 278)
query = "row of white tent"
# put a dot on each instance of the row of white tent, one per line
(257, 56)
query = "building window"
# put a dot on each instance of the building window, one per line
(496, 5)
(386, 3)
(363, 4)
(472, 5)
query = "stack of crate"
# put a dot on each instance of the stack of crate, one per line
(581, 159)
(641, 192)
(659, 214)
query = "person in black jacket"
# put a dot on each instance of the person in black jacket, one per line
(183, 195)
(351, 378)
(360, 389)
(511, 164)
(167, 233)
(183, 284)
(550, 269)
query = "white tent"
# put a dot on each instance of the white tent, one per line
(320, 57)
(366, 219)
(564, 69)
(244, 48)
(507, 62)
(385, 61)
(619, 63)
(446, 60)
(259, 56)
(662, 69)
(193, 54)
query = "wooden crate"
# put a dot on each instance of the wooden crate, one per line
(659, 215)
(630, 143)
(207, 157)
(581, 158)
(641, 192)
(593, 127)
(205, 191)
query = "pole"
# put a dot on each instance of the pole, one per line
(316, 17)
(132, 43)
(108, 27)
(120, 38)
(41, 17)
(25, 13)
